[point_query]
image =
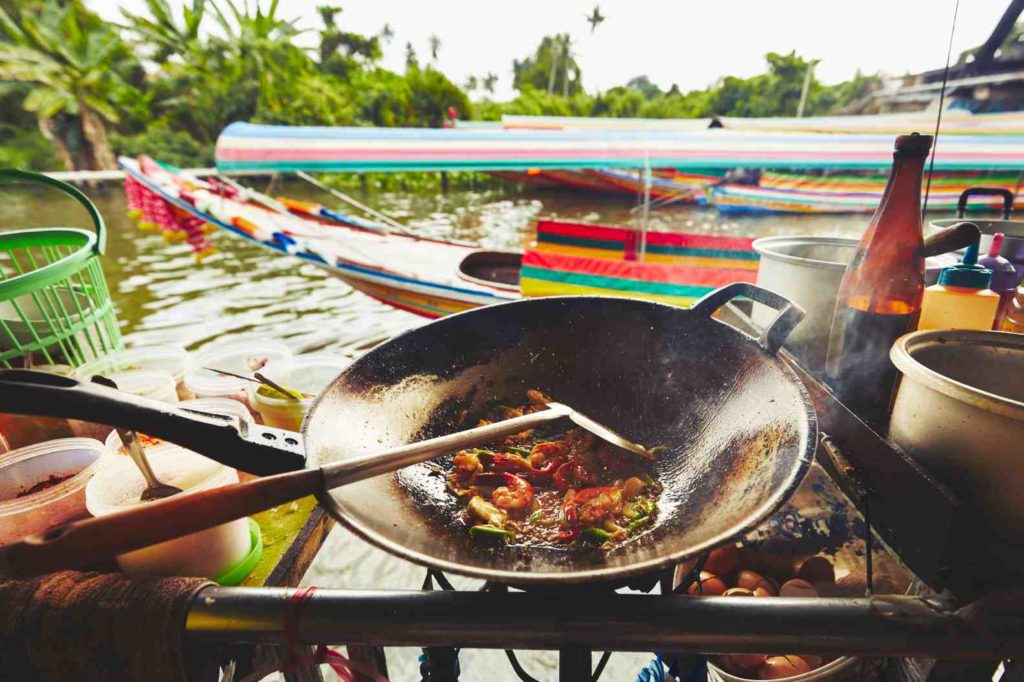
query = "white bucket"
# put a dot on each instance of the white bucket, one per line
(208, 553)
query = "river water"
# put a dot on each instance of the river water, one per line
(162, 296)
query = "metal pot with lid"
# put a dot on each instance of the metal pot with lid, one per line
(1013, 242)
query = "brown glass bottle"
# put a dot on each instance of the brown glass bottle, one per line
(880, 295)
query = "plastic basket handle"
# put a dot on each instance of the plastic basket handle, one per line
(14, 175)
(1007, 195)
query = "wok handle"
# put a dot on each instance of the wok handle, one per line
(83, 543)
(775, 334)
(228, 440)
(954, 238)
(1007, 195)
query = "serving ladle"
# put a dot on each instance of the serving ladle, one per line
(84, 542)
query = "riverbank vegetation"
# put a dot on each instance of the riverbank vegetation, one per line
(76, 91)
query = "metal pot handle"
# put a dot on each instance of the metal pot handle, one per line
(775, 334)
(255, 449)
(1007, 195)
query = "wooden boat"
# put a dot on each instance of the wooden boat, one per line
(434, 277)
(797, 193)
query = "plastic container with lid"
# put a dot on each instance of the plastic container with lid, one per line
(240, 356)
(309, 375)
(171, 359)
(70, 461)
(961, 299)
(214, 405)
(1004, 278)
(155, 384)
(208, 553)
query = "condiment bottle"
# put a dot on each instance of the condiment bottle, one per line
(880, 294)
(1004, 277)
(961, 299)
(1014, 320)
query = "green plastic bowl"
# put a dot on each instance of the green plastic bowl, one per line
(243, 568)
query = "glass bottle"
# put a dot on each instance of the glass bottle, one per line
(879, 297)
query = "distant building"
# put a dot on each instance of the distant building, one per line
(986, 79)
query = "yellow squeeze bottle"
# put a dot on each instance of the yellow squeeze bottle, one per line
(961, 299)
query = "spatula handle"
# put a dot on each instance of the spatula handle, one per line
(86, 542)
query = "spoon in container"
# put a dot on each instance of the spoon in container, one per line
(155, 489)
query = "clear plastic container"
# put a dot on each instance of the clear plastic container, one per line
(171, 359)
(308, 374)
(214, 405)
(239, 356)
(57, 503)
(155, 384)
(208, 553)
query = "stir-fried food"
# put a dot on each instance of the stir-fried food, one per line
(561, 489)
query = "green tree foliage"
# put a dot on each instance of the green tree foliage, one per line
(73, 90)
(551, 68)
(82, 77)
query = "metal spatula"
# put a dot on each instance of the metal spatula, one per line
(155, 489)
(84, 542)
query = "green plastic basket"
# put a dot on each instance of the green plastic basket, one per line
(55, 307)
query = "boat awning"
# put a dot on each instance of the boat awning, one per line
(246, 146)
(954, 122)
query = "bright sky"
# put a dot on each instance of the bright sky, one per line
(689, 42)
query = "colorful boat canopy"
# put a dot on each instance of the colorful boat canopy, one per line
(953, 123)
(246, 146)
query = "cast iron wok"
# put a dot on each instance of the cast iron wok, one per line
(737, 424)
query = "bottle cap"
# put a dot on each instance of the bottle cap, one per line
(967, 274)
(1004, 275)
(913, 145)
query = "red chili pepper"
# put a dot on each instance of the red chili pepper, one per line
(574, 524)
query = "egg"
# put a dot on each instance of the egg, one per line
(762, 592)
(724, 560)
(738, 592)
(740, 664)
(710, 585)
(751, 581)
(781, 667)
(797, 588)
(817, 569)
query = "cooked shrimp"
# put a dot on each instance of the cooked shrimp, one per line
(541, 452)
(537, 397)
(466, 464)
(596, 504)
(517, 493)
(632, 487)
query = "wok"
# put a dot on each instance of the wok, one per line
(738, 426)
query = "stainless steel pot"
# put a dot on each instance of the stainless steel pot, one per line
(807, 271)
(1013, 243)
(960, 412)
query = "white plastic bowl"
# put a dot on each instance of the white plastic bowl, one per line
(23, 468)
(171, 359)
(223, 406)
(308, 374)
(155, 384)
(240, 356)
(208, 553)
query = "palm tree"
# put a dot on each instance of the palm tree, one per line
(386, 33)
(435, 45)
(567, 56)
(471, 83)
(490, 80)
(75, 64)
(410, 56)
(595, 18)
(554, 47)
(164, 33)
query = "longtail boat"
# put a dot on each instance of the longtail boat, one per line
(797, 193)
(435, 277)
